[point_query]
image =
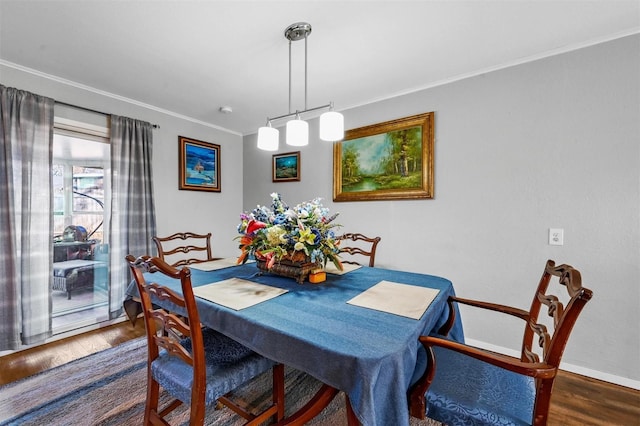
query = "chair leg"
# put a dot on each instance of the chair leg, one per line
(153, 394)
(278, 390)
(197, 413)
(352, 419)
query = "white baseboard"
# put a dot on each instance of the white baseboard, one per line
(594, 374)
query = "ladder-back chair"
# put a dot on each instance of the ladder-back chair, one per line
(361, 246)
(465, 385)
(195, 366)
(184, 248)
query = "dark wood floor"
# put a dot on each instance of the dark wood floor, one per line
(576, 400)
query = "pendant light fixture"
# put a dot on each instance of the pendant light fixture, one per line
(297, 134)
(268, 138)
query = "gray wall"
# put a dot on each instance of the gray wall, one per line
(175, 210)
(549, 144)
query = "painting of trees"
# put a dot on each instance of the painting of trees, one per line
(386, 161)
(350, 166)
(405, 151)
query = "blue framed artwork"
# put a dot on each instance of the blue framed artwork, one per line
(199, 165)
(286, 167)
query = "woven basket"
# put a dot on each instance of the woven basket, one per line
(288, 268)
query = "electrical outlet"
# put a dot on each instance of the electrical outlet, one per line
(556, 236)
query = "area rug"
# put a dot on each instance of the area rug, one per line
(108, 388)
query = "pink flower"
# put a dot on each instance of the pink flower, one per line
(271, 260)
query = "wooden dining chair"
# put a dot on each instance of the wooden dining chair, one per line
(361, 246)
(465, 385)
(195, 366)
(184, 248)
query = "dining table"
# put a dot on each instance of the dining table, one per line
(370, 354)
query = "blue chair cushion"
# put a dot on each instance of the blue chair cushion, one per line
(228, 363)
(466, 391)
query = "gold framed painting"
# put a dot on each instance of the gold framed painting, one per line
(199, 165)
(392, 160)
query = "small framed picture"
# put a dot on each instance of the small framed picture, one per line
(286, 167)
(199, 165)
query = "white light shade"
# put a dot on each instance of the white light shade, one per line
(297, 133)
(331, 126)
(268, 138)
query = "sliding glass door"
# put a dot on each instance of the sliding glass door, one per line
(80, 251)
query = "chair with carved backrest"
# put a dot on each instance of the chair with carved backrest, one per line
(184, 248)
(465, 385)
(362, 246)
(195, 365)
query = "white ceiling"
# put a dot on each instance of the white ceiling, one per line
(192, 57)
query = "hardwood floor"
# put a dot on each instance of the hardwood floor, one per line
(577, 400)
(30, 361)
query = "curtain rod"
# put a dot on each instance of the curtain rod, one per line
(155, 126)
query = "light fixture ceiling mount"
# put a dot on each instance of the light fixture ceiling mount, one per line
(331, 122)
(297, 31)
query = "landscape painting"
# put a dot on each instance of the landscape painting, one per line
(199, 164)
(286, 167)
(385, 161)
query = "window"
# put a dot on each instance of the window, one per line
(78, 199)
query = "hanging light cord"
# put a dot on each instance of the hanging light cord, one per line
(289, 77)
(305, 70)
(305, 84)
(297, 113)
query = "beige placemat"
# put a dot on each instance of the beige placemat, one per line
(213, 265)
(236, 293)
(400, 299)
(330, 268)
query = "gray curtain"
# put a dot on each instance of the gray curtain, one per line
(26, 226)
(133, 221)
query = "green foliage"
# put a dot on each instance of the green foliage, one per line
(350, 164)
(401, 166)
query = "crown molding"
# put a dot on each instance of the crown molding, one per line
(113, 96)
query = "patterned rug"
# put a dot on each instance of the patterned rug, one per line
(108, 388)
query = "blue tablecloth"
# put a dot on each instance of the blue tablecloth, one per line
(370, 355)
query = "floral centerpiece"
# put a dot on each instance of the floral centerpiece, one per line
(302, 234)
